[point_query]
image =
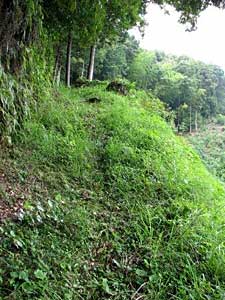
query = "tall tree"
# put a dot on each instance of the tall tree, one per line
(68, 59)
(118, 18)
(91, 62)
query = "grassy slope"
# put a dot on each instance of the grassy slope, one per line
(116, 206)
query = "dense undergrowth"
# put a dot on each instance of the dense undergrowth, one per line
(210, 144)
(20, 93)
(116, 206)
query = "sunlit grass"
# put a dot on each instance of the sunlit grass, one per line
(119, 208)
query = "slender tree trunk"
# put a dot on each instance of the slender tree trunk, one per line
(178, 117)
(57, 62)
(82, 71)
(178, 121)
(58, 75)
(91, 63)
(68, 59)
(190, 120)
(196, 120)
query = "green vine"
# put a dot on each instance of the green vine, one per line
(24, 70)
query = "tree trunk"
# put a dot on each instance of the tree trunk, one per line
(68, 59)
(190, 121)
(82, 71)
(57, 64)
(196, 120)
(58, 75)
(178, 120)
(91, 63)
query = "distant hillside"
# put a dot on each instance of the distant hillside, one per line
(210, 144)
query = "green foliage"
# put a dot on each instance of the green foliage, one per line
(144, 70)
(220, 119)
(210, 144)
(91, 22)
(190, 10)
(121, 86)
(12, 110)
(83, 82)
(118, 206)
(179, 82)
(25, 63)
(20, 26)
(58, 142)
(19, 95)
(112, 60)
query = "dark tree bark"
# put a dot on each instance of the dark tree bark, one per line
(68, 59)
(90, 72)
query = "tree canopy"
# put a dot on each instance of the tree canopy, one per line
(191, 9)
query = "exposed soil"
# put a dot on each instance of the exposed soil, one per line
(12, 197)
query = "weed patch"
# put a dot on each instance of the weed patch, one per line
(119, 208)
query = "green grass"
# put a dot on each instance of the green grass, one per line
(117, 206)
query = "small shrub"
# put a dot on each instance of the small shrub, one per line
(120, 86)
(220, 119)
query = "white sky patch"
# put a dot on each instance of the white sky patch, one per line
(164, 33)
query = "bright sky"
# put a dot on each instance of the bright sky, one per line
(166, 34)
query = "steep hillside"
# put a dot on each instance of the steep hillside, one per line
(115, 206)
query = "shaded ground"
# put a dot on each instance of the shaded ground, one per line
(12, 193)
(18, 183)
